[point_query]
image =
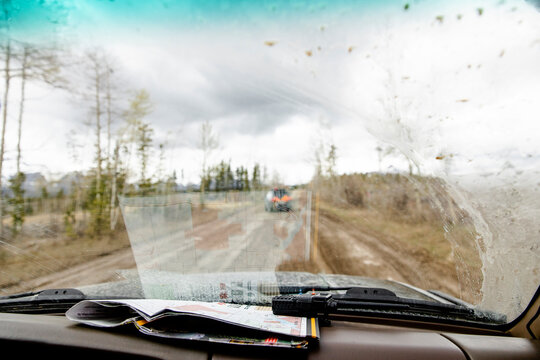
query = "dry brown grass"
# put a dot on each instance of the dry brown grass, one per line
(44, 248)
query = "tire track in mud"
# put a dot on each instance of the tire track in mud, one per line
(355, 250)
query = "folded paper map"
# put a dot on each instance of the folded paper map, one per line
(202, 321)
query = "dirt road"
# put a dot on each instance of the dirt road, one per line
(342, 248)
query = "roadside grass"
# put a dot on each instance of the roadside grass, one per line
(427, 236)
(27, 257)
(451, 247)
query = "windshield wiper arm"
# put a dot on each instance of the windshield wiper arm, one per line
(361, 301)
(275, 289)
(45, 301)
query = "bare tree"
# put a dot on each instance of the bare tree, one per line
(24, 62)
(331, 161)
(93, 72)
(112, 209)
(33, 64)
(111, 97)
(136, 134)
(7, 79)
(95, 63)
(323, 154)
(6, 50)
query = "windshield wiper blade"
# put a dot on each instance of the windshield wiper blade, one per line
(363, 301)
(45, 301)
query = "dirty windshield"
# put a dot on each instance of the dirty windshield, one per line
(213, 150)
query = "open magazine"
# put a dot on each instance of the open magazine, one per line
(200, 321)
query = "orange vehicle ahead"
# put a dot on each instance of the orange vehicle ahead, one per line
(278, 200)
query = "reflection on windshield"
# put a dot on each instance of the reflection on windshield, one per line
(389, 141)
(216, 233)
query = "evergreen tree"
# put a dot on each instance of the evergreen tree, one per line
(144, 144)
(256, 177)
(17, 202)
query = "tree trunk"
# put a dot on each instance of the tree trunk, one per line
(21, 107)
(4, 121)
(113, 213)
(98, 133)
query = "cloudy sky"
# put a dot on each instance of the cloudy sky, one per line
(453, 88)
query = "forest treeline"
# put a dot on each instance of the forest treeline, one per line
(113, 125)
